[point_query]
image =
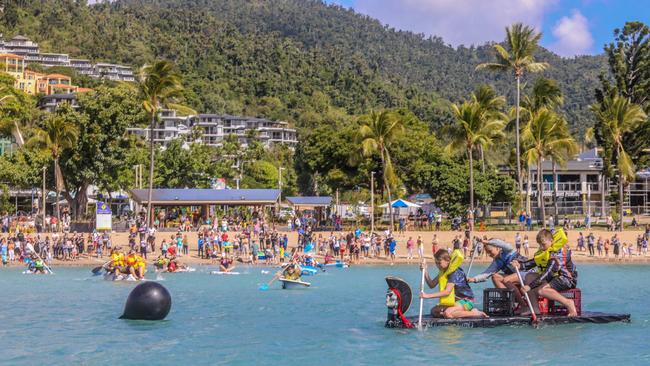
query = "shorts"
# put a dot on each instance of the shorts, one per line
(561, 283)
(468, 305)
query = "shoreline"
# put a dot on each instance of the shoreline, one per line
(193, 260)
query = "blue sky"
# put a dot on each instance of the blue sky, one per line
(570, 27)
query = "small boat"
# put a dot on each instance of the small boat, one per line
(399, 297)
(290, 284)
(309, 270)
(337, 265)
(182, 270)
(222, 273)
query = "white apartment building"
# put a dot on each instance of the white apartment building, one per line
(22, 46)
(214, 128)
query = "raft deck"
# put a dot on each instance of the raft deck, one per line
(585, 317)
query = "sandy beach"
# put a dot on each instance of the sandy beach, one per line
(445, 239)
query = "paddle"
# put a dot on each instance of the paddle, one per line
(533, 316)
(471, 261)
(97, 269)
(265, 286)
(421, 298)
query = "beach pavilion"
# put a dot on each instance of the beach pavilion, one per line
(318, 204)
(204, 198)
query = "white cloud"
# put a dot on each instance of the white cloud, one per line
(572, 35)
(457, 21)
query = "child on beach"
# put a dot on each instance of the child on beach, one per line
(456, 297)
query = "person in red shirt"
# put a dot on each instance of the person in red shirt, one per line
(171, 251)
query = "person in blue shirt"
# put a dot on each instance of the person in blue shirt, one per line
(357, 233)
(501, 271)
(200, 243)
(392, 246)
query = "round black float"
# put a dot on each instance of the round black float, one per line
(147, 301)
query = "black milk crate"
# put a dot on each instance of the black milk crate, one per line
(499, 302)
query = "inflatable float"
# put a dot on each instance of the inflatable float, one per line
(290, 284)
(399, 297)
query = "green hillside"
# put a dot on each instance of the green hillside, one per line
(298, 60)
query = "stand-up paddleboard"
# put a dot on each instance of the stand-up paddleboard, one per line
(399, 296)
(290, 284)
(224, 273)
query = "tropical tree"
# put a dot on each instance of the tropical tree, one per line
(377, 131)
(475, 126)
(58, 134)
(548, 136)
(616, 117)
(546, 93)
(492, 104)
(159, 83)
(517, 57)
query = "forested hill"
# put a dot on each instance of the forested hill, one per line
(299, 60)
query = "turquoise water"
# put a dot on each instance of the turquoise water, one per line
(71, 318)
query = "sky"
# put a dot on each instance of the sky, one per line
(570, 27)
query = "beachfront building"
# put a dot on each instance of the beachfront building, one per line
(30, 53)
(215, 128)
(582, 188)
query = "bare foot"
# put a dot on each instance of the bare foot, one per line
(572, 314)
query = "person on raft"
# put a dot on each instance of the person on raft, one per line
(36, 265)
(116, 264)
(292, 272)
(135, 265)
(225, 264)
(501, 271)
(456, 297)
(161, 263)
(557, 272)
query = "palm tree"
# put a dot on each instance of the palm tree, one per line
(548, 136)
(57, 135)
(546, 93)
(475, 126)
(159, 83)
(491, 103)
(376, 133)
(617, 116)
(522, 42)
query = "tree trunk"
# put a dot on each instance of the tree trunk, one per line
(519, 181)
(18, 136)
(620, 200)
(603, 181)
(387, 185)
(540, 191)
(471, 180)
(556, 219)
(58, 192)
(482, 158)
(151, 161)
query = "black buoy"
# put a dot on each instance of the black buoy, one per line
(147, 301)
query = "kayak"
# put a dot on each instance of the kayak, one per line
(224, 273)
(290, 284)
(399, 298)
(309, 271)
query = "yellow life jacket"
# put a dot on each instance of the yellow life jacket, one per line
(454, 263)
(543, 256)
(118, 259)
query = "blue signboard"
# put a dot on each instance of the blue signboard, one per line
(103, 208)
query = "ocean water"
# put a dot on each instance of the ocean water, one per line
(71, 318)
